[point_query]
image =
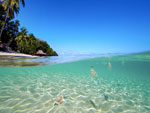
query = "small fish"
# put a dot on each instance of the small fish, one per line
(105, 97)
(93, 73)
(109, 65)
(93, 104)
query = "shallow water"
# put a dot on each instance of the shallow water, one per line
(122, 85)
(8, 61)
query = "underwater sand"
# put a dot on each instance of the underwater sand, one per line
(122, 85)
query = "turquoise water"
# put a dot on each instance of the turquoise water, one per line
(122, 85)
(8, 61)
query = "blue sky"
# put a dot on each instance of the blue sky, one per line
(89, 26)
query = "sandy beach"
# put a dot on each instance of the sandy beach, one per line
(16, 54)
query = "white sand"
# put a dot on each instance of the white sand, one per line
(16, 54)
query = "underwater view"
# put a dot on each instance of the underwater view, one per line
(74, 56)
(115, 84)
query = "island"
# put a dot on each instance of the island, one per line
(15, 39)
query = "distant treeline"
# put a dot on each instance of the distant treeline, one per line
(18, 39)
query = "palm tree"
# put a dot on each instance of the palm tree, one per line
(11, 7)
(21, 40)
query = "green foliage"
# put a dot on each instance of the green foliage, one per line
(27, 43)
(20, 40)
(10, 31)
(46, 48)
(12, 6)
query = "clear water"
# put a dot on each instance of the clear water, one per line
(24, 61)
(122, 85)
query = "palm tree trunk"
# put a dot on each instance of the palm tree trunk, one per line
(4, 24)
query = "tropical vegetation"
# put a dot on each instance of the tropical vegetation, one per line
(18, 39)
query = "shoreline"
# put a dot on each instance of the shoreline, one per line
(13, 54)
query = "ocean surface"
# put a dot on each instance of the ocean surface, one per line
(122, 86)
(8, 61)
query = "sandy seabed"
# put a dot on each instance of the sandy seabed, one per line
(122, 89)
(38, 94)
